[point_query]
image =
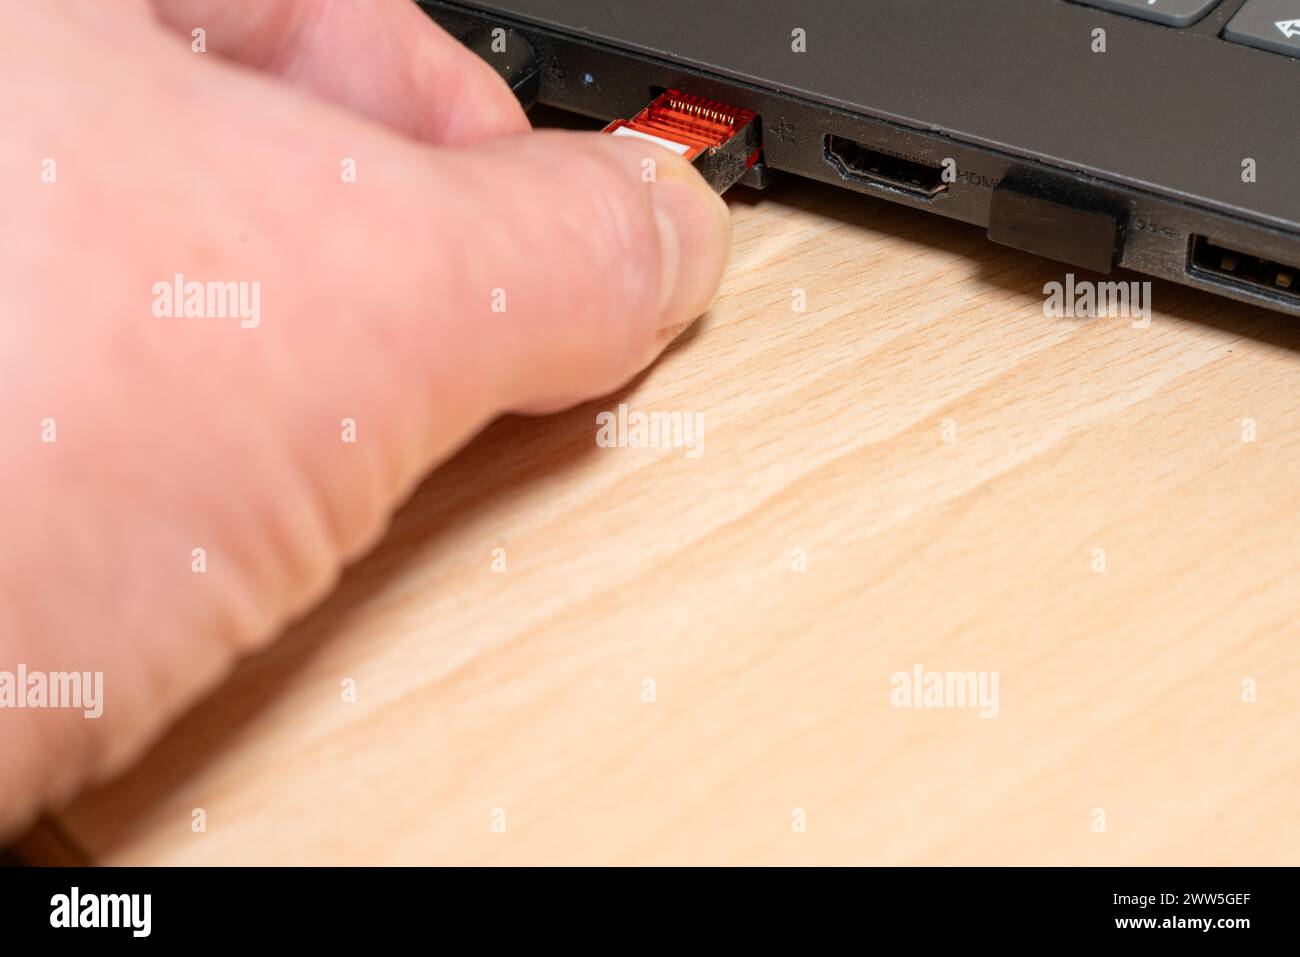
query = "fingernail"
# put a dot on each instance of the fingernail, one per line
(694, 243)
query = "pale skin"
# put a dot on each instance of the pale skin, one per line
(175, 433)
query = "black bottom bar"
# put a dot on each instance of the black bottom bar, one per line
(1167, 907)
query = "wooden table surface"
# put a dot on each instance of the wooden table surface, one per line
(653, 679)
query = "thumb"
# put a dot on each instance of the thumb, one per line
(524, 274)
(576, 258)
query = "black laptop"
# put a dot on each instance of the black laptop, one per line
(1162, 136)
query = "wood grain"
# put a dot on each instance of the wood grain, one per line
(824, 431)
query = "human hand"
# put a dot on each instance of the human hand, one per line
(135, 434)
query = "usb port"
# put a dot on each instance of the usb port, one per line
(854, 161)
(1243, 270)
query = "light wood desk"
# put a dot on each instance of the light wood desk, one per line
(524, 691)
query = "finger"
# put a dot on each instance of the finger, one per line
(385, 59)
(577, 258)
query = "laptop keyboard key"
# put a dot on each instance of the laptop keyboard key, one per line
(1173, 13)
(1267, 24)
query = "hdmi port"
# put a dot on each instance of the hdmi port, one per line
(853, 161)
(1243, 270)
